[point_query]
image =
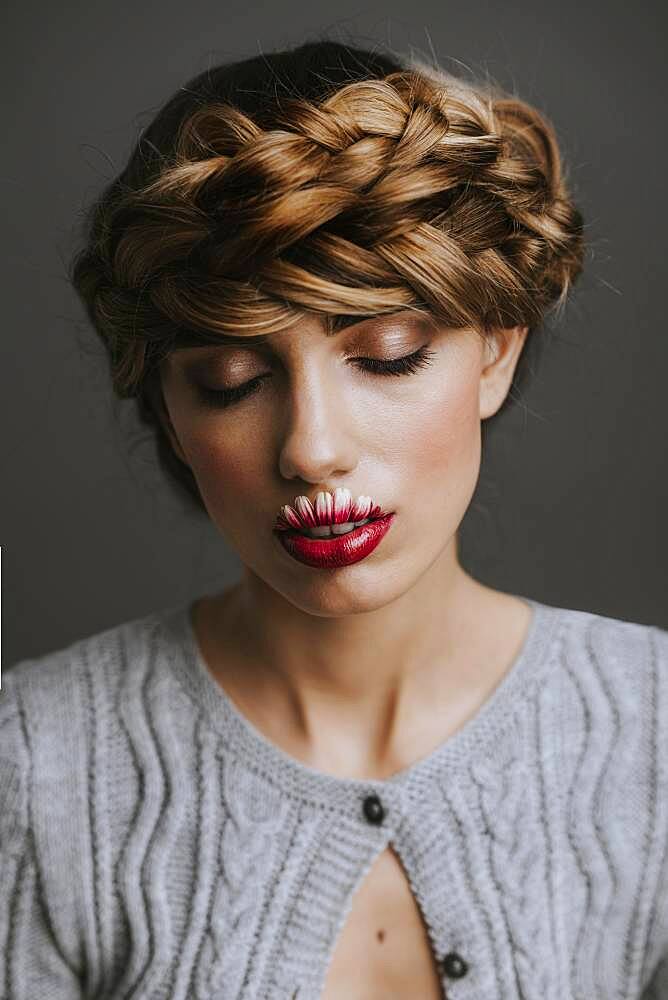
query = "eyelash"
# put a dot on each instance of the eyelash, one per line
(407, 365)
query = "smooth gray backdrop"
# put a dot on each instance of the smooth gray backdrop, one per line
(572, 501)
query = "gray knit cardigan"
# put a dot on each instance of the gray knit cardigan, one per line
(154, 844)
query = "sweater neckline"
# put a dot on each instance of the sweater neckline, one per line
(252, 749)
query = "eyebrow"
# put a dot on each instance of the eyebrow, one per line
(262, 339)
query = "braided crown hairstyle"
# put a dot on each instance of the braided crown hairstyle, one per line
(325, 180)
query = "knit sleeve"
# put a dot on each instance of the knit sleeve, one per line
(657, 987)
(31, 962)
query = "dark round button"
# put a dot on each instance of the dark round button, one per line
(454, 965)
(373, 809)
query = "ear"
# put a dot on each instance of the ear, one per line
(501, 353)
(155, 394)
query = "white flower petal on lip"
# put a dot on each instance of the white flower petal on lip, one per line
(305, 511)
(329, 508)
(361, 508)
(323, 507)
(342, 503)
(291, 517)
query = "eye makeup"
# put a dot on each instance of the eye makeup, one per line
(408, 364)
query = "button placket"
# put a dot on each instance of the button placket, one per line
(452, 965)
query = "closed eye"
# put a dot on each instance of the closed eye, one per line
(406, 365)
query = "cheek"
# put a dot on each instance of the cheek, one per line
(441, 431)
(225, 467)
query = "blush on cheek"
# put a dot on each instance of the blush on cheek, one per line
(231, 480)
(437, 454)
(444, 428)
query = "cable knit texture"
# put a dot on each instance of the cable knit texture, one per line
(155, 844)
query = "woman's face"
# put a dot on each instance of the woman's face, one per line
(314, 420)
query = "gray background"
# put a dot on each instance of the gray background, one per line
(571, 506)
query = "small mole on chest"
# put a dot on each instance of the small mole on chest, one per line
(380, 935)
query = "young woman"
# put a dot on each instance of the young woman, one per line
(358, 772)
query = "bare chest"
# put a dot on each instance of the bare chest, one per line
(384, 948)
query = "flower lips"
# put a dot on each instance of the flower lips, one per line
(333, 531)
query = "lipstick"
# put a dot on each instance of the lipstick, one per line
(333, 531)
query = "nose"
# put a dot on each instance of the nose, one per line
(317, 440)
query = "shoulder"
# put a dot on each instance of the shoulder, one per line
(622, 652)
(68, 717)
(606, 681)
(50, 704)
(110, 652)
(52, 678)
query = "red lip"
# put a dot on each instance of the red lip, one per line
(343, 550)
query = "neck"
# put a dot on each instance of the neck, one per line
(357, 691)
